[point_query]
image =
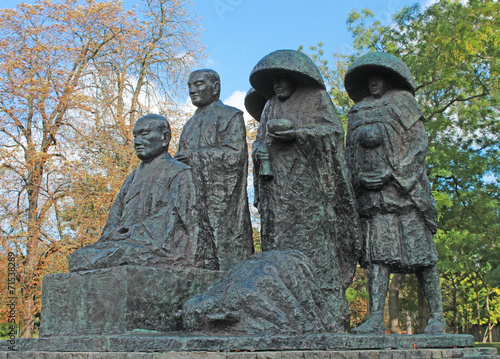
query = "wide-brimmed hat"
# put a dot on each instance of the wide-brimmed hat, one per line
(289, 63)
(254, 103)
(377, 63)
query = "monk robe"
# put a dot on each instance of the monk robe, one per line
(309, 205)
(153, 222)
(398, 221)
(214, 139)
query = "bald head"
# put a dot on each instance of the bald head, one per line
(151, 137)
(204, 87)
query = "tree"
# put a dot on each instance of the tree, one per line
(65, 68)
(452, 51)
(142, 74)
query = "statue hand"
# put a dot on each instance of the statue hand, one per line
(121, 233)
(374, 180)
(182, 157)
(285, 136)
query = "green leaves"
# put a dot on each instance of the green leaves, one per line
(453, 52)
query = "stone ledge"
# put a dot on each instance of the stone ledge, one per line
(470, 353)
(114, 301)
(191, 343)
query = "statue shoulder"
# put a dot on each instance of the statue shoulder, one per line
(227, 111)
(405, 106)
(172, 168)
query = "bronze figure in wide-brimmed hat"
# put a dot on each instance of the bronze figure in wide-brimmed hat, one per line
(308, 202)
(385, 150)
(382, 63)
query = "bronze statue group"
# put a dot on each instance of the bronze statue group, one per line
(324, 206)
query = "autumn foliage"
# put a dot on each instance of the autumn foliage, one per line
(74, 77)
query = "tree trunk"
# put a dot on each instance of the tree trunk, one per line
(28, 283)
(478, 305)
(489, 328)
(409, 328)
(455, 304)
(28, 328)
(394, 287)
(365, 274)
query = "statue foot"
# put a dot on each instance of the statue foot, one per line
(370, 327)
(435, 325)
(221, 319)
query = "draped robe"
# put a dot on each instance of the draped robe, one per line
(214, 140)
(309, 204)
(397, 221)
(154, 222)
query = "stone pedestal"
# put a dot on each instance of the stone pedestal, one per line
(118, 300)
(469, 353)
(196, 342)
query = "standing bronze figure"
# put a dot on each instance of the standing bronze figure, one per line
(213, 143)
(386, 149)
(305, 199)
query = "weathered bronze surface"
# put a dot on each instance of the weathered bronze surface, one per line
(386, 149)
(155, 220)
(192, 211)
(213, 143)
(273, 293)
(304, 196)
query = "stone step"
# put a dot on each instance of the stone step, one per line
(469, 353)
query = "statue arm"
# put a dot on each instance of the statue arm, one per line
(408, 170)
(409, 162)
(230, 147)
(231, 139)
(319, 119)
(175, 224)
(115, 214)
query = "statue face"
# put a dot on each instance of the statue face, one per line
(149, 140)
(378, 86)
(283, 87)
(201, 90)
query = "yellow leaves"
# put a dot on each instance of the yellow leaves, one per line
(74, 75)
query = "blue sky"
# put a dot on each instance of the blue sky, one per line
(238, 33)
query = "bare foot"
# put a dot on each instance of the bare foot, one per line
(370, 327)
(435, 326)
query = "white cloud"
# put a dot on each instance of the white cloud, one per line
(430, 3)
(237, 99)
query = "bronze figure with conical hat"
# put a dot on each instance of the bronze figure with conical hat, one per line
(385, 150)
(308, 203)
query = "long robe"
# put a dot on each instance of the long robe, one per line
(215, 141)
(156, 207)
(309, 204)
(398, 221)
(271, 293)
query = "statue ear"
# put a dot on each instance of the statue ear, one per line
(166, 139)
(216, 92)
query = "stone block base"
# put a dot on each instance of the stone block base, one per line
(118, 300)
(148, 343)
(470, 353)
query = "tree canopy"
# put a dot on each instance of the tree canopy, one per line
(452, 49)
(74, 77)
